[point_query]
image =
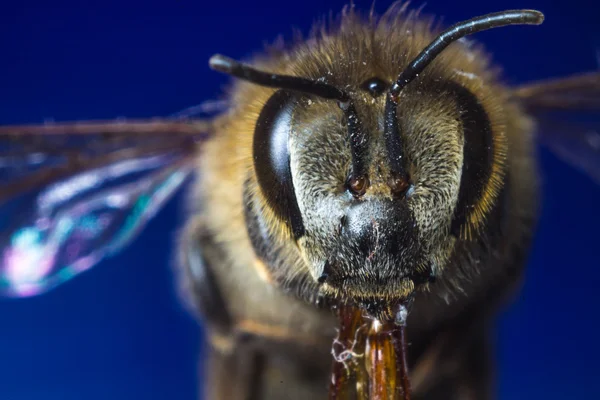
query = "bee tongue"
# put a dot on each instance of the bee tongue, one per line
(375, 352)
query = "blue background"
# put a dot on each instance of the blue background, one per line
(118, 332)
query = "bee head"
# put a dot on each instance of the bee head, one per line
(367, 179)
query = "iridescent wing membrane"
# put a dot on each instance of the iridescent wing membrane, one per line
(72, 194)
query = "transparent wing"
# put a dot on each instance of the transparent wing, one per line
(73, 194)
(568, 115)
(574, 140)
(578, 92)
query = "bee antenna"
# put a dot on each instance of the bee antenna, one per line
(358, 139)
(427, 55)
(229, 66)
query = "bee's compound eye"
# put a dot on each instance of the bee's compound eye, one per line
(272, 158)
(398, 184)
(358, 185)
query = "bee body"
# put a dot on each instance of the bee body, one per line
(362, 206)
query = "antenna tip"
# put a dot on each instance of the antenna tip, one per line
(536, 16)
(221, 63)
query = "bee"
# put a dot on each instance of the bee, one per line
(372, 173)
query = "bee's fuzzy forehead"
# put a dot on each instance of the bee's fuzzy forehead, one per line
(356, 49)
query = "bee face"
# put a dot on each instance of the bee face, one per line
(379, 238)
(362, 194)
(371, 243)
